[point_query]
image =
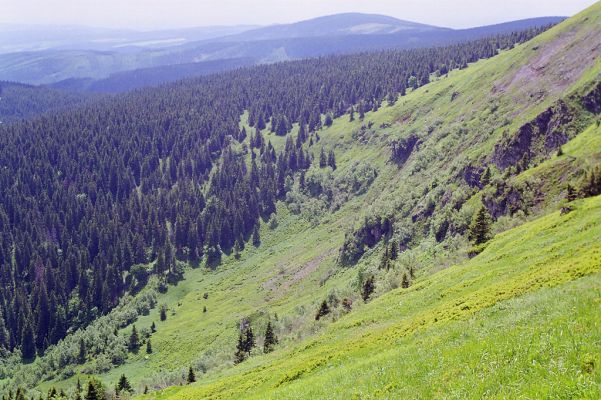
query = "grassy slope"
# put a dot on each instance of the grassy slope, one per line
(295, 267)
(496, 325)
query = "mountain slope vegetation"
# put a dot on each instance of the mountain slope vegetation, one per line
(394, 214)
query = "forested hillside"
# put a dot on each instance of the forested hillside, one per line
(324, 228)
(154, 176)
(18, 101)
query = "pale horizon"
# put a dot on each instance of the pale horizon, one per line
(181, 14)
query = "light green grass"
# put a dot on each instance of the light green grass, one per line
(517, 321)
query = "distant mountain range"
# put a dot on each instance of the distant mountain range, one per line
(98, 60)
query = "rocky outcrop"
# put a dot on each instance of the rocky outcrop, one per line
(539, 137)
(592, 101)
(548, 131)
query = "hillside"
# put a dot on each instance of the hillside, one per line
(445, 335)
(335, 25)
(338, 34)
(333, 199)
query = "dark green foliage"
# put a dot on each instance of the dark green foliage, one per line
(385, 259)
(270, 339)
(332, 160)
(591, 184)
(81, 356)
(27, 342)
(123, 385)
(368, 288)
(95, 391)
(148, 347)
(323, 161)
(480, 227)
(163, 312)
(328, 120)
(256, 239)
(405, 282)
(246, 342)
(240, 354)
(153, 327)
(191, 376)
(134, 340)
(323, 310)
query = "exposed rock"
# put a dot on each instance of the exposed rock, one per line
(592, 101)
(471, 175)
(539, 137)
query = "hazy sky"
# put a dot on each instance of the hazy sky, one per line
(148, 14)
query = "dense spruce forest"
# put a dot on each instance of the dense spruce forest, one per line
(95, 200)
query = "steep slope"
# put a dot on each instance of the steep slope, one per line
(458, 124)
(409, 173)
(449, 333)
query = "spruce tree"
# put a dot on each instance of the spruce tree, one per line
(256, 239)
(368, 288)
(332, 160)
(134, 340)
(123, 385)
(27, 342)
(95, 390)
(191, 376)
(81, 356)
(240, 354)
(270, 339)
(385, 259)
(249, 340)
(4, 335)
(323, 161)
(480, 228)
(148, 347)
(153, 327)
(323, 310)
(405, 283)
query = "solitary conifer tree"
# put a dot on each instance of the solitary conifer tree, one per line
(270, 339)
(134, 340)
(123, 385)
(368, 288)
(480, 228)
(332, 159)
(240, 354)
(148, 347)
(191, 376)
(323, 310)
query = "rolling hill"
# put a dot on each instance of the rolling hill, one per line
(337, 34)
(368, 268)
